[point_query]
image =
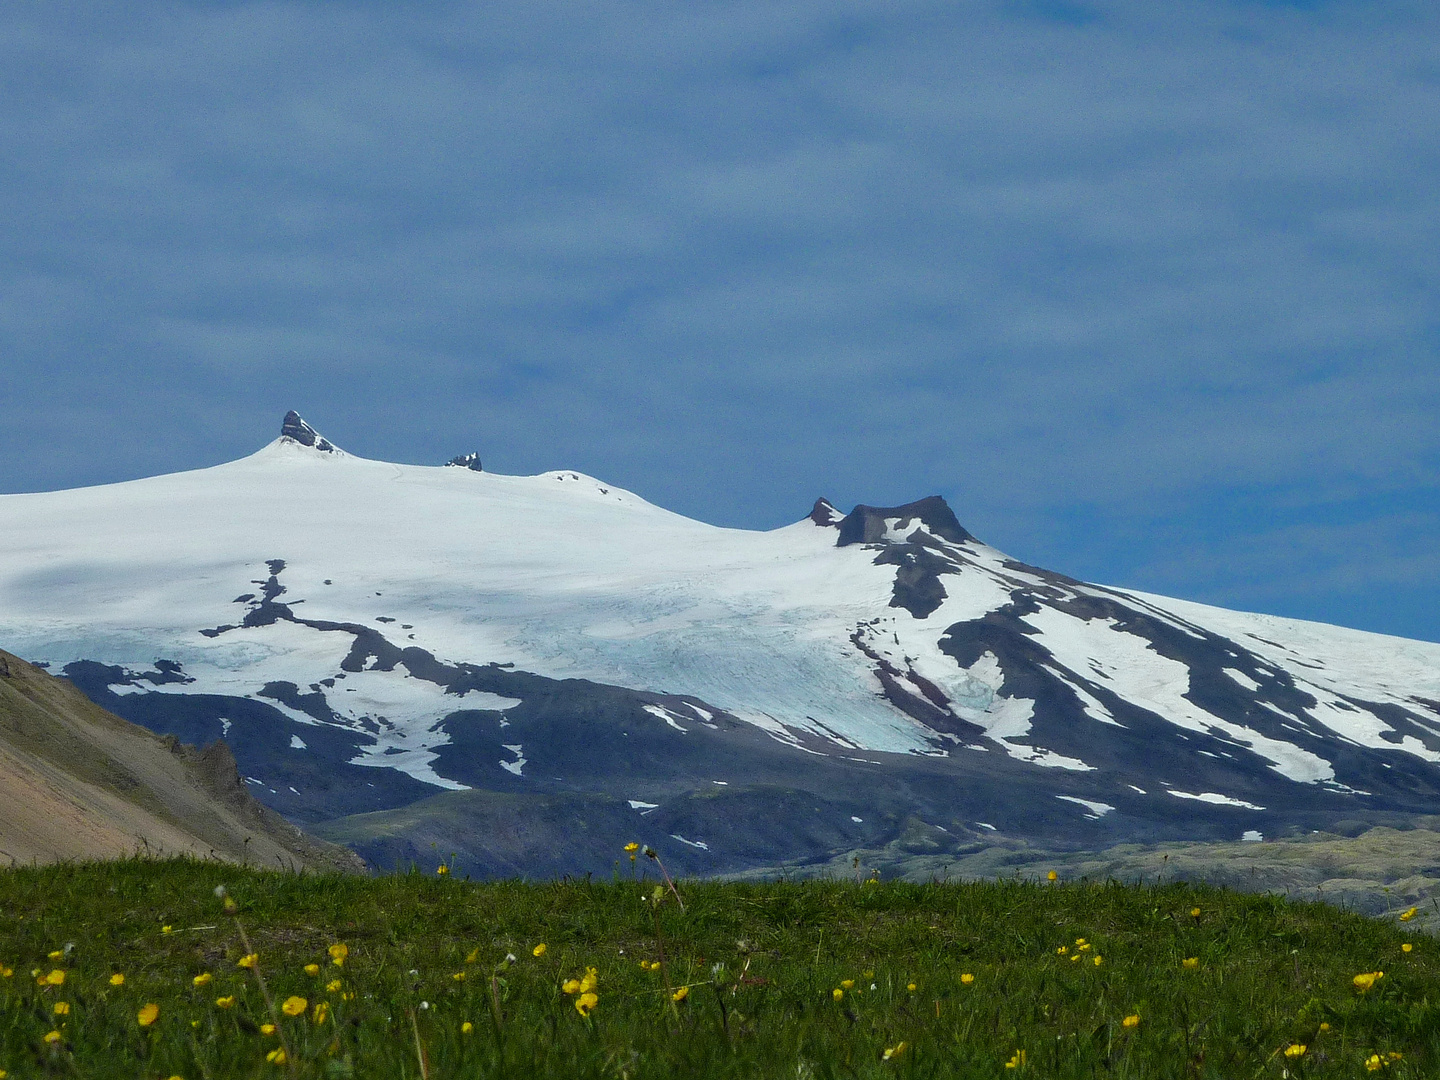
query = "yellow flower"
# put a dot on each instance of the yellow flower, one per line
(267, 1029)
(466, 1028)
(837, 993)
(338, 952)
(847, 983)
(1324, 1027)
(442, 869)
(538, 950)
(1295, 1050)
(1062, 950)
(585, 1002)
(1366, 980)
(1052, 876)
(588, 982)
(201, 979)
(322, 1012)
(459, 976)
(910, 987)
(1407, 947)
(167, 929)
(680, 994)
(276, 1057)
(1099, 960)
(1194, 912)
(571, 986)
(225, 1002)
(1086, 946)
(312, 969)
(56, 978)
(62, 1008)
(1074, 957)
(1079, 941)
(58, 954)
(632, 847)
(473, 955)
(1406, 916)
(1191, 962)
(1131, 1021)
(333, 985)
(52, 1036)
(1373, 1062)
(6, 972)
(147, 1014)
(117, 979)
(249, 960)
(967, 978)
(294, 1006)
(893, 1051)
(1017, 1061)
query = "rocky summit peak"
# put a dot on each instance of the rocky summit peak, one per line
(872, 524)
(823, 513)
(469, 461)
(293, 427)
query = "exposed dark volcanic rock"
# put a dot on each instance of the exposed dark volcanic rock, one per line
(292, 427)
(869, 524)
(469, 461)
(824, 514)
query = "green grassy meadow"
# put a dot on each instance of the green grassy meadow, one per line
(818, 979)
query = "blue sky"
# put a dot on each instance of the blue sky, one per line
(1147, 291)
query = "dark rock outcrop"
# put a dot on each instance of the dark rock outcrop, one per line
(293, 427)
(866, 524)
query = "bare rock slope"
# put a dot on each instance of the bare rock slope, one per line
(77, 782)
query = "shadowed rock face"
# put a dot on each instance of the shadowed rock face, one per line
(293, 427)
(469, 461)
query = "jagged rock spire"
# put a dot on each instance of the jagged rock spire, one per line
(293, 427)
(824, 513)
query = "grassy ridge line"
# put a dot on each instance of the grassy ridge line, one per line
(761, 963)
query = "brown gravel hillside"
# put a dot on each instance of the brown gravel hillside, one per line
(77, 782)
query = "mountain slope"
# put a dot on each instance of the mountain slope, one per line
(80, 783)
(368, 636)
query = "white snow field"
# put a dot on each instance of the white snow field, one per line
(567, 576)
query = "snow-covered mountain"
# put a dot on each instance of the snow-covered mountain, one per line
(505, 666)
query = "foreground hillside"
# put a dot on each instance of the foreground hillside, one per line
(77, 782)
(127, 968)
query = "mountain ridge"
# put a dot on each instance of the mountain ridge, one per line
(368, 636)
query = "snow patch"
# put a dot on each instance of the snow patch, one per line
(297, 743)
(665, 714)
(519, 762)
(1242, 679)
(1097, 809)
(1214, 798)
(693, 843)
